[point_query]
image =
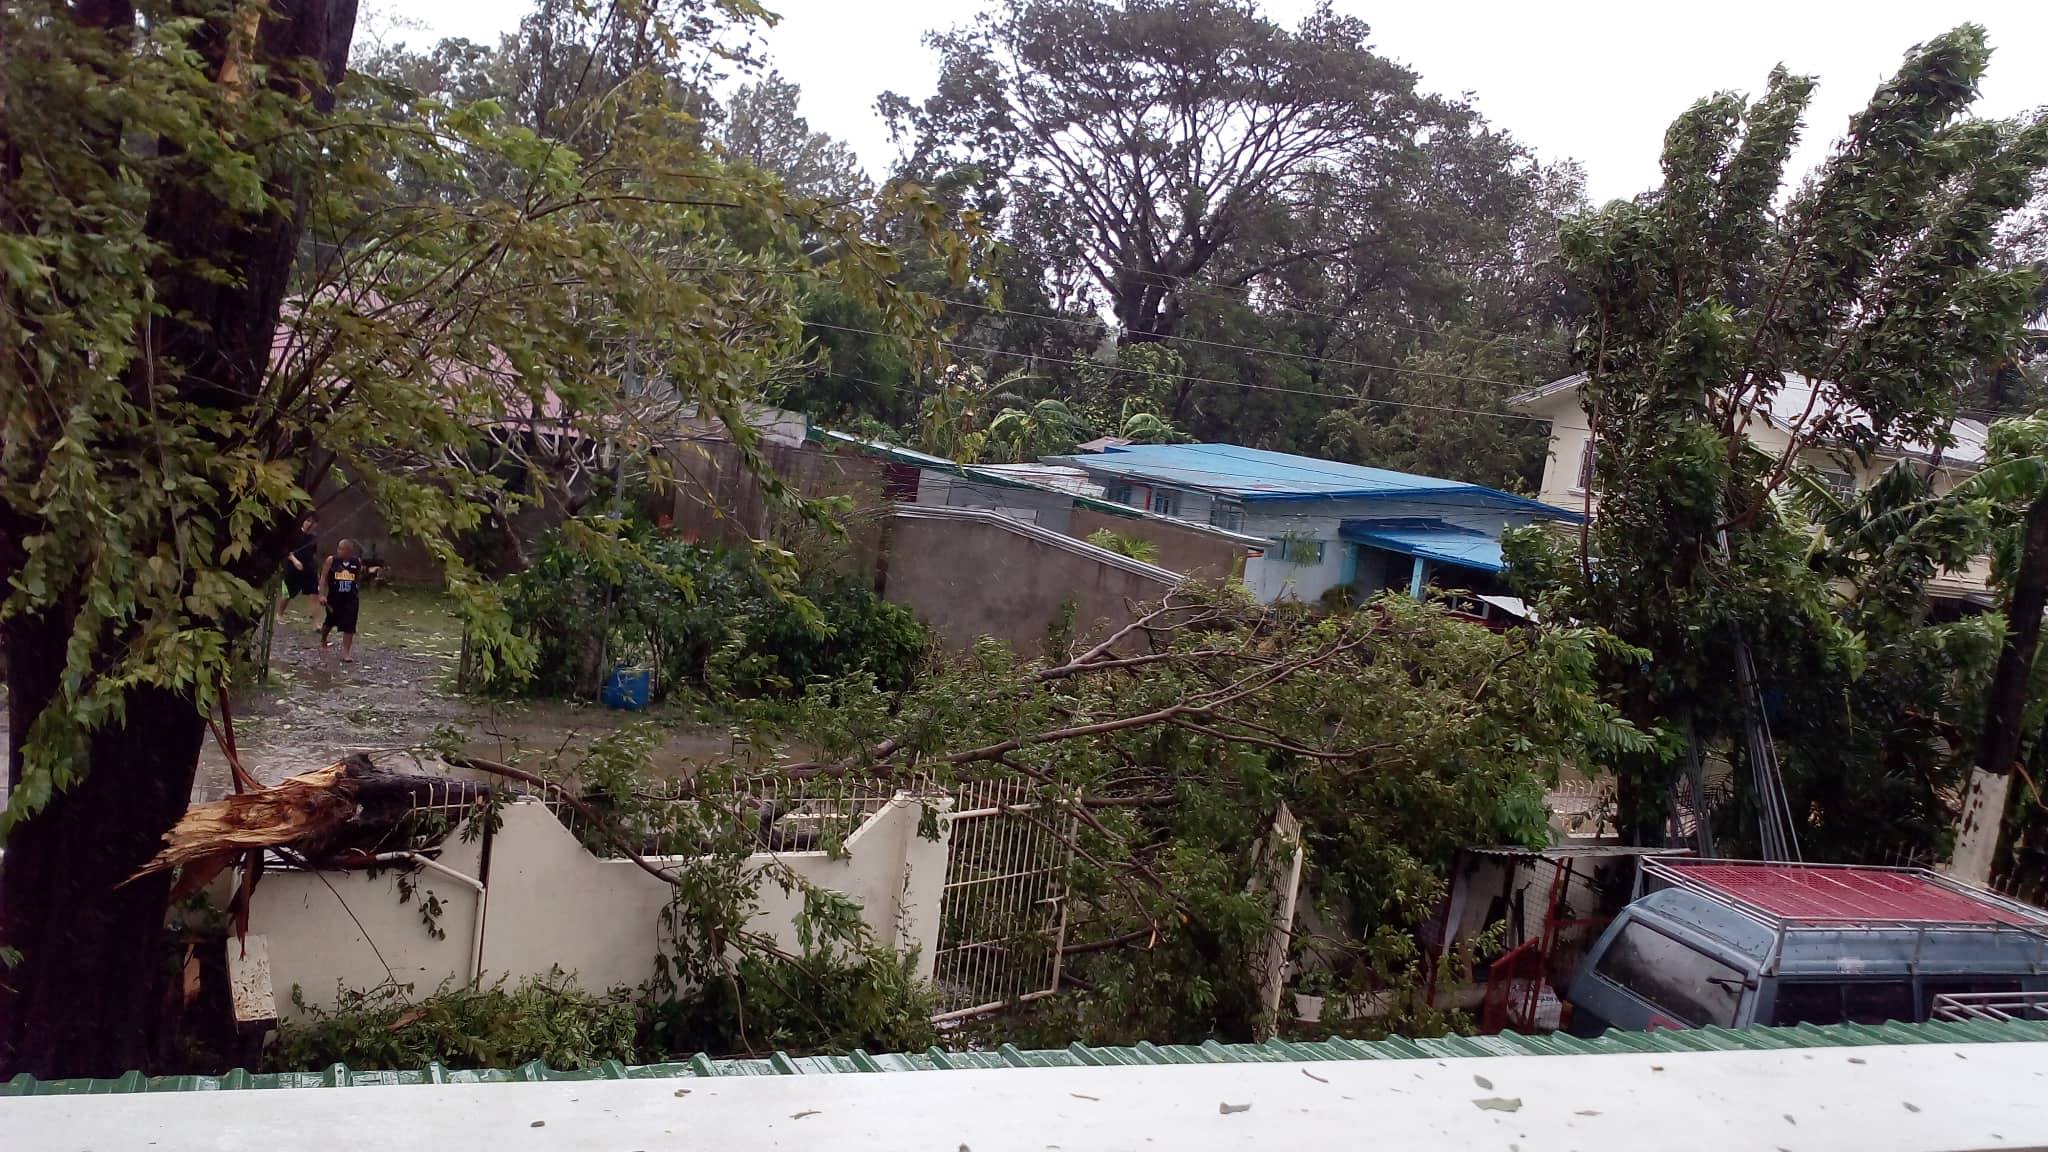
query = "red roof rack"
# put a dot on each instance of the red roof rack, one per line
(1844, 896)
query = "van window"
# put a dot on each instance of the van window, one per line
(1679, 979)
(1842, 1002)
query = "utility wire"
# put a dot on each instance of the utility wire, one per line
(1195, 287)
(1345, 396)
(1304, 356)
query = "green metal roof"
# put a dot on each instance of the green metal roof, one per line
(1080, 1056)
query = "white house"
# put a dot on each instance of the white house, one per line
(1568, 470)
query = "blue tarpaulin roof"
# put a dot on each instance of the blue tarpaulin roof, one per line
(1255, 474)
(1441, 543)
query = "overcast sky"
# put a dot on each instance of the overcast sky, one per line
(1593, 82)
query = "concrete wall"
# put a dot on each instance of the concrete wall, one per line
(549, 903)
(1047, 509)
(1188, 551)
(348, 511)
(970, 573)
(716, 500)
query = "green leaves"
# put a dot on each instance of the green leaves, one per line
(1733, 350)
(494, 300)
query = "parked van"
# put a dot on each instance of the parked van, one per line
(1736, 943)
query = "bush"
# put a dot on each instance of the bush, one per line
(493, 1027)
(700, 616)
(869, 999)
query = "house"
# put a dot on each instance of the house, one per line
(1568, 470)
(1326, 525)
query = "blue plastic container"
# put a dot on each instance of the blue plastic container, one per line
(626, 689)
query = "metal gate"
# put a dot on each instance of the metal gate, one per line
(1003, 913)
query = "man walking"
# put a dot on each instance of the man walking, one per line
(301, 575)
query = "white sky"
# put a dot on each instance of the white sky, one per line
(1592, 81)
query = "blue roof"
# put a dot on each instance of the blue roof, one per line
(1442, 543)
(1255, 474)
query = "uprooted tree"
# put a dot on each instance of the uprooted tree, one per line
(1150, 763)
(232, 273)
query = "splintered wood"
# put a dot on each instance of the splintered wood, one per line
(341, 815)
(209, 836)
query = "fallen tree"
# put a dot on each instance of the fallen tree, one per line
(1149, 767)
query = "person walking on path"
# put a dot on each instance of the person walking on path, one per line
(301, 565)
(340, 585)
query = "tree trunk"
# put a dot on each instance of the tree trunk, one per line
(2005, 704)
(80, 1002)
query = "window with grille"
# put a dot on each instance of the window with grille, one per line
(1296, 550)
(1165, 502)
(1585, 480)
(1842, 484)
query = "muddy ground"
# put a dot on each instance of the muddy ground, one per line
(400, 692)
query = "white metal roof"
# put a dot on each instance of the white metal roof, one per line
(1934, 1096)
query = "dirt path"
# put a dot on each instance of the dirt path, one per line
(399, 693)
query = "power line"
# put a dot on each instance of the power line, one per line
(1350, 397)
(1337, 360)
(1190, 285)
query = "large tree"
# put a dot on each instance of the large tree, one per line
(1284, 207)
(232, 273)
(1155, 134)
(1872, 284)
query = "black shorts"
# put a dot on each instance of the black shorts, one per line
(300, 581)
(341, 614)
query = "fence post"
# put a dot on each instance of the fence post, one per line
(1278, 866)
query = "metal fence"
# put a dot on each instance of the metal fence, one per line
(1003, 916)
(785, 814)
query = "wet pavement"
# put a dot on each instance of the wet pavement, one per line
(400, 693)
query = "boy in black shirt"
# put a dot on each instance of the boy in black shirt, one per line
(340, 584)
(301, 565)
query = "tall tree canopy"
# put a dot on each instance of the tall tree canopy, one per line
(1874, 283)
(1285, 207)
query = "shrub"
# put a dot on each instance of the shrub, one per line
(494, 1027)
(701, 616)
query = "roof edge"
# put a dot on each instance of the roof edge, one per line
(1809, 1036)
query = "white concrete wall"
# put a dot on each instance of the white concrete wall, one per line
(550, 904)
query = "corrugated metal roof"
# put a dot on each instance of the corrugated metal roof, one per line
(1256, 474)
(1459, 546)
(1080, 1056)
(1829, 894)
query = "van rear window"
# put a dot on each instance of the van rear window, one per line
(1680, 980)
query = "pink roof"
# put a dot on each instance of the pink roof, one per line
(516, 406)
(1807, 893)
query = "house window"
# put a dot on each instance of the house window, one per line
(1841, 484)
(1165, 502)
(1227, 515)
(1117, 493)
(1585, 480)
(1296, 550)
